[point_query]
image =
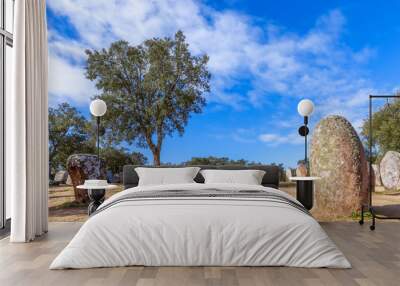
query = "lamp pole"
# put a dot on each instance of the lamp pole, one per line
(98, 108)
(98, 138)
(305, 143)
(305, 109)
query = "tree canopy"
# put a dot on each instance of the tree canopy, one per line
(386, 130)
(150, 89)
(215, 161)
(68, 134)
(223, 161)
(116, 158)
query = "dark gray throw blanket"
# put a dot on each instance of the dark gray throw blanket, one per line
(204, 193)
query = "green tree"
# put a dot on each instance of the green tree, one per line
(214, 161)
(68, 134)
(222, 161)
(116, 158)
(151, 89)
(218, 161)
(386, 130)
(282, 174)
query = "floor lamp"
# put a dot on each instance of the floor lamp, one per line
(305, 109)
(305, 184)
(98, 108)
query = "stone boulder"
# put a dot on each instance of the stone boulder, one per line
(82, 167)
(289, 174)
(69, 181)
(376, 175)
(338, 157)
(301, 170)
(390, 170)
(60, 177)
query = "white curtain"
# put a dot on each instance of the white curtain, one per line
(27, 123)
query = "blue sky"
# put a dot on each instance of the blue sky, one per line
(265, 56)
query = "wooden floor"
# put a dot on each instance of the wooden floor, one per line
(375, 257)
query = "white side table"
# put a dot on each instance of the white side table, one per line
(96, 192)
(305, 190)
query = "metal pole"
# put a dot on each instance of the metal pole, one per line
(370, 153)
(305, 149)
(305, 144)
(98, 138)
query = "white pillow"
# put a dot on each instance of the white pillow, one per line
(166, 176)
(248, 177)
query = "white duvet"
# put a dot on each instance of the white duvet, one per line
(200, 231)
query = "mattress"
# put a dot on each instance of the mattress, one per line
(201, 225)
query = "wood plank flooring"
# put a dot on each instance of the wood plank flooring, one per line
(375, 257)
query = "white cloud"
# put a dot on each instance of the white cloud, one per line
(264, 60)
(363, 55)
(244, 135)
(72, 50)
(277, 139)
(67, 82)
(316, 65)
(271, 138)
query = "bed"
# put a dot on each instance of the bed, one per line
(201, 224)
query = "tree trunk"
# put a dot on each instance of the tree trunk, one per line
(156, 158)
(156, 150)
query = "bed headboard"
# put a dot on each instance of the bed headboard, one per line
(271, 178)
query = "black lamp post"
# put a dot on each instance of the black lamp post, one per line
(305, 184)
(305, 109)
(98, 108)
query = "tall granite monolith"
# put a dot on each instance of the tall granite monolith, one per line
(338, 158)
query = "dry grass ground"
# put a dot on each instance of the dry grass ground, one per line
(62, 207)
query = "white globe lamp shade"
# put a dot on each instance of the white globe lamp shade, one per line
(305, 107)
(98, 107)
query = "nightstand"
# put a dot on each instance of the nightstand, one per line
(96, 191)
(305, 190)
